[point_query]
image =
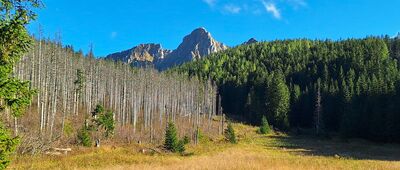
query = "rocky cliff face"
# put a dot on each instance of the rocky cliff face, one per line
(194, 46)
(141, 54)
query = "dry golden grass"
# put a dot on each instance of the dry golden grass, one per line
(253, 152)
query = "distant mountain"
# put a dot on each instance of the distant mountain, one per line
(196, 45)
(250, 41)
(141, 54)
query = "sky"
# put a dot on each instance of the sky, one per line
(112, 26)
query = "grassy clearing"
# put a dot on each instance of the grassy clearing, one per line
(254, 151)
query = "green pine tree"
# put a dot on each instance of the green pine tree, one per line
(264, 128)
(180, 147)
(84, 137)
(171, 139)
(15, 42)
(278, 103)
(230, 134)
(7, 146)
(106, 120)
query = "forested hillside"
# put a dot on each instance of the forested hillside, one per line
(69, 85)
(347, 86)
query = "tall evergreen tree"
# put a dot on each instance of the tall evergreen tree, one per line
(278, 102)
(15, 95)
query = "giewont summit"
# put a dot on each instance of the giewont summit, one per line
(194, 46)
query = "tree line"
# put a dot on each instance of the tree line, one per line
(347, 86)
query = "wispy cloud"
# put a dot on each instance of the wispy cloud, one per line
(276, 8)
(230, 8)
(272, 9)
(210, 3)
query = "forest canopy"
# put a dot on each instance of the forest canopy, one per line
(358, 80)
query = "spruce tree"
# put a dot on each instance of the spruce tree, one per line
(180, 147)
(15, 41)
(84, 137)
(171, 139)
(106, 120)
(278, 103)
(7, 146)
(264, 128)
(230, 134)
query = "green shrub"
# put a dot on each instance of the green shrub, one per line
(7, 146)
(84, 137)
(99, 109)
(107, 122)
(180, 147)
(264, 128)
(171, 139)
(186, 140)
(68, 129)
(230, 134)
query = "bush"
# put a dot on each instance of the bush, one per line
(180, 147)
(7, 146)
(171, 139)
(186, 140)
(84, 137)
(264, 128)
(68, 129)
(107, 122)
(230, 134)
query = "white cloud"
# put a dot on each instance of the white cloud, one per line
(272, 9)
(113, 35)
(256, 7)
(232, 8)
(210, 3)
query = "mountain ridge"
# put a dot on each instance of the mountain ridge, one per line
(199, 43)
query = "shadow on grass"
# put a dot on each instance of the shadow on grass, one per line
(352, 149)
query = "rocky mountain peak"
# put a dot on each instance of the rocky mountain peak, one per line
(250, 41)
(197, 44)
(142, 53)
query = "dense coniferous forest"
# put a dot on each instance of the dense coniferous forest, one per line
(348, 86)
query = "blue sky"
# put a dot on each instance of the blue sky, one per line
(112, 26)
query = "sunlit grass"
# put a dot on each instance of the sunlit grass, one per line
(254, 151)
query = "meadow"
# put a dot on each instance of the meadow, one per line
(254, 151)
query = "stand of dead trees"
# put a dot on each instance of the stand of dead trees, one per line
(70, 85)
